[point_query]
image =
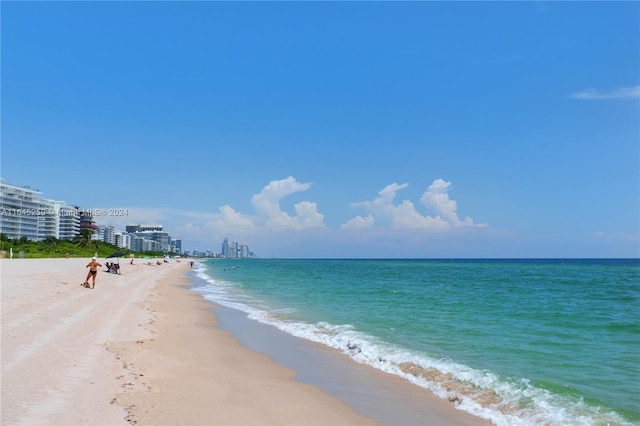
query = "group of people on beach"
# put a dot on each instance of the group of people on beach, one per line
(112, 267)
(93, 266)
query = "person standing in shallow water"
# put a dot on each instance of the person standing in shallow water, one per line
(93, 271)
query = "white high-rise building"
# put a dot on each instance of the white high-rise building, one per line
(21, 208)
(105, 233)
(65, 219)
(69, 222)
(26, 214)
(123, 240)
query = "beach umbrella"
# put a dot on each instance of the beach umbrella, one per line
(116, 254)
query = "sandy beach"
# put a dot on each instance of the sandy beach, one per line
(56, 368)
(142, 349)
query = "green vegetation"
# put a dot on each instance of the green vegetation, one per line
(81, 246)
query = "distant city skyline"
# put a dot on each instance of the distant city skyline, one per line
(235, 250)
(335, 129)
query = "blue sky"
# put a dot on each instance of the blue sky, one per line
(335, 129)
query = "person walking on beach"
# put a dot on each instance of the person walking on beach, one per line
(93, 271)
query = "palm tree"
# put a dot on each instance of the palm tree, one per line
(84, 239)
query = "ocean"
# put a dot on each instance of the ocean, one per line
(517, 342)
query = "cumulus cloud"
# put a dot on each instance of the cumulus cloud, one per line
(307, 215)
(405, 215)
(620, 93)
(389, 192)
(358, 223)
(267, 205)
(386, 222)
(268, 200)
(437, 198)
(229, 217)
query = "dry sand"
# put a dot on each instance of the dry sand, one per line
(141, 349)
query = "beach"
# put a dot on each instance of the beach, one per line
(141, 348)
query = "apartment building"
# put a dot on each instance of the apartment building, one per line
(25, 213)
(14, 201)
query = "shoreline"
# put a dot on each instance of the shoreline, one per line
(191, 372)
(380, 396)
(143, 348)
(326, 386)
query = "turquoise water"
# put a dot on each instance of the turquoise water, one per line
(513, 341)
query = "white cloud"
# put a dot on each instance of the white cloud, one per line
(358, 223)
(308, 215)
(230, 218)
(620, 93)
(386, 224)
(267, 204)
(268, 200)
(438, 199)
(405, 215)
(389, 193)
